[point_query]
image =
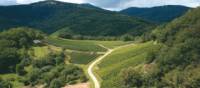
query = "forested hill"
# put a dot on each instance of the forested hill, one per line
(180, 56)
(160, 14)
(176, 64)
(79, 19)
(182, 38)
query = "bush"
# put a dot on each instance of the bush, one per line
(151, 56)
(5, 84)
(65, 35)
(131, 78)
(33, 77)
(8, 59)
(127, 37)
(56, 83)
(20, 69)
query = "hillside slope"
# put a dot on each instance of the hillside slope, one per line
(160, 14)
(180, 57)
(172, 61)
(76, 19)
(122, 58)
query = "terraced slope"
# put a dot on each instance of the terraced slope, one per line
(81, 57)
(85, 45)
(121, 58)
(75, 44)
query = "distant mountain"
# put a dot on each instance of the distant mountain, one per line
(77, 19)
(88, 5)
(160, 14)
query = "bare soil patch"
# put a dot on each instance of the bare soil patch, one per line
(81, 85)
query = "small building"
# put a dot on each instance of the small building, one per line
(37, 41)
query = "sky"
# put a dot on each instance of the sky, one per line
(116, 4)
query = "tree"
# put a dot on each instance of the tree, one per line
(131, 78)
(5, 84)
(20, 69)
(56, 83)
(127, 37)
(33, 77)
(8, 59)
(65, 35)
(151, 56)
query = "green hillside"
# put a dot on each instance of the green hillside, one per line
(84, 45)
(181, 55)
(74, 19)
(75, 44)
(158, 14)
(171, 61)
(82, 58)
(134, 55)
(175, 64)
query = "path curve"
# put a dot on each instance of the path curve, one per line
(90, 71)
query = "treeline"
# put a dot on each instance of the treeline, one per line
(176, 65)
(126, 37)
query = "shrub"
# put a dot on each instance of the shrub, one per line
(131, 78)
(5, 84)
(56, 83)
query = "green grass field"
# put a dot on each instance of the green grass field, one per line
(122, 58)
(82, 58)
(111, 44)
(75, 57)
(75, 44)
(41, 52)
(84, 45)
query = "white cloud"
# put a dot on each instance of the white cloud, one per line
(150, 3)
(31, 1)
(8, 2)
(27, 1)
(74, 1)
(120, 4)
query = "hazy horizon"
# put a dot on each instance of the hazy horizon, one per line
(115, 4)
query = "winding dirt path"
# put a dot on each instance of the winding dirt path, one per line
(91, 74)
(92, 65)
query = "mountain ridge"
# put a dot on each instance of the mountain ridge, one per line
(51, 16)
(158, 14)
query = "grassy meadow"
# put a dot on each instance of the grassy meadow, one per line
(75, 44)
(41, 52)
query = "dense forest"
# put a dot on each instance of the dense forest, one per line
(73, 19)
(159, 15)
